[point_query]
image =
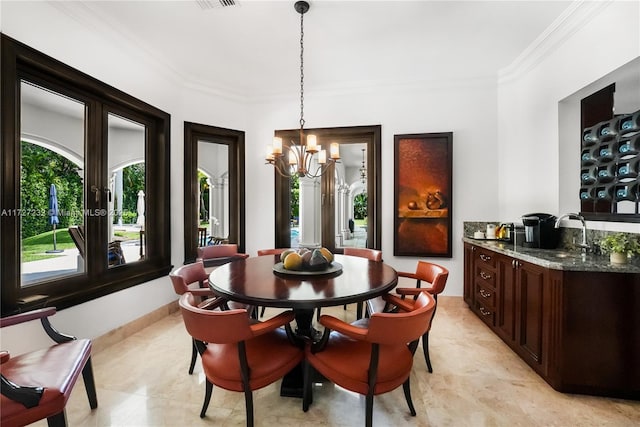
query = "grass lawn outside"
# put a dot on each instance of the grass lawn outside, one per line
(127, 235)
(34, 248)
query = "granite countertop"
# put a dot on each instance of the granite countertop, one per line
(558, 259)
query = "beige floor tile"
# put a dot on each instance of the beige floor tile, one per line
(477, 381)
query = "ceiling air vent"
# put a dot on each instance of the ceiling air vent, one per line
(214, 4)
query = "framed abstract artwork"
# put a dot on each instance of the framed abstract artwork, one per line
(423, 166)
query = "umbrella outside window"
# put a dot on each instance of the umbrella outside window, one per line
(53, 215)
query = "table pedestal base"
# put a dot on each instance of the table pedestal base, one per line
(304, 322)
(293, 383)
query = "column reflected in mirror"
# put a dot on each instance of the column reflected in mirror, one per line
(350, 195)
(213, 197)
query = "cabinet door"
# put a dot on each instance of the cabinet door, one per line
(468, 273)
(530, 293)
(506, 304)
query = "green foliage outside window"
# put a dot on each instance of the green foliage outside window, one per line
(204, 198)
(39, 168)
(360, 206)
(295, 196)
(133, 180)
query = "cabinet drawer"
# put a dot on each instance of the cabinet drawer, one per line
(486, 275)
(485, 295)
(485, 258)
(487, 314)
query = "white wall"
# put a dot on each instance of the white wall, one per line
(503, 138)
(46, 28)
(539, 170)
(468, 109)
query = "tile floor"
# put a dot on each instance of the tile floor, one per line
(477, 381)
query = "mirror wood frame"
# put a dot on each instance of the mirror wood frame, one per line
(369, 135)
(235, 140)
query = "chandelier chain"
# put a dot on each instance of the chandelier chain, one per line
(297, 157)
(301, 71)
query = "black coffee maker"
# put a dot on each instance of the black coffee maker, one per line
(540, 231)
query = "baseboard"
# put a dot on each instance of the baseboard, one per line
(116, 335)
(124, 331)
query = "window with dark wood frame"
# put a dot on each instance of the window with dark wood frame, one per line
(21, 64)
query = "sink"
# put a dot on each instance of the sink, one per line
(563, 255)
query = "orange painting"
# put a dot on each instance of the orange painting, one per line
(423, 164)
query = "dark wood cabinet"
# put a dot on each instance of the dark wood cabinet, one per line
(519, 311)
(579, 330)
(530, 291)
(506, 319)
(595, 328)
(468, 273)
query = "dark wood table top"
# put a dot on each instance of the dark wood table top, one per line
(253, 281)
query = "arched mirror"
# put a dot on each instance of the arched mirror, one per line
(213, 187)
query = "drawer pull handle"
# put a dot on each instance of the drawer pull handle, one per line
(485, 276)
(485, 294)
(485, 312)
(485, 257)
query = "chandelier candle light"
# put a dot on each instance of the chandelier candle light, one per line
(299, 160)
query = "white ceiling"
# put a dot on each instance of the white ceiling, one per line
(252, 49)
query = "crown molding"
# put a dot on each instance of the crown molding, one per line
(88, 16)
(85, 14)
(575, 17)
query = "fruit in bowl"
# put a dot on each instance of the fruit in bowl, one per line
(292, 261)
(305, 259)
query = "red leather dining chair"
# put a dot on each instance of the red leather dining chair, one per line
(216, 255)
(239, 355)
(370, 254)
(276, 251)
(37, 385)
(429, 277)
(263, 252)
(370, 356)
(194, 278)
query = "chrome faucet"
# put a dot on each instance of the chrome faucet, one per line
(583, 246)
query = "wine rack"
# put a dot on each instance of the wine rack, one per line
(610, 164)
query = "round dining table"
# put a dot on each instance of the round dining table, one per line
(261, 281)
